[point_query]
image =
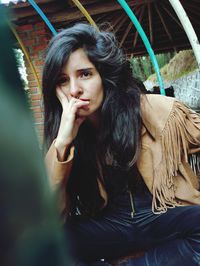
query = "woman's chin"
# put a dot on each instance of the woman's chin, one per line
(83, 113)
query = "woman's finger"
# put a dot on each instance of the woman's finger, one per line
(62, 97)
(76, 104)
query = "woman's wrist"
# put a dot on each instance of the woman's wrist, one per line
(61, 149)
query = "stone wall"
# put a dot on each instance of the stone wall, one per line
(187, 89)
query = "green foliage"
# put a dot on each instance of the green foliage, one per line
(183, 63)
(142, 66)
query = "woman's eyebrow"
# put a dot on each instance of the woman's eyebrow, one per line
(86, 68)
(78, 70)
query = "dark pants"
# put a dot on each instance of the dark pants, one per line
(169, 239)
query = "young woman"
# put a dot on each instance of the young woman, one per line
(119, 158)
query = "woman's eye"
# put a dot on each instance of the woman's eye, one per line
(63, 81)
(85, 74)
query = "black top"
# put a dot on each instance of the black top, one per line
(117, 181)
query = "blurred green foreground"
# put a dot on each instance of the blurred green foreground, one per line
(30, 234)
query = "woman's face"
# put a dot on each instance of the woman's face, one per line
(80, 79)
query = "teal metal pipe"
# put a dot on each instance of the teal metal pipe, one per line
(43, 16)
(147, 44)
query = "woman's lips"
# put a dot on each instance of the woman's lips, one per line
(84, 100)
(85, 107)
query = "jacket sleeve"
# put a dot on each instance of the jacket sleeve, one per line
(180, 140)
(192, 129)
(172, 141)
(58, 173)
(184, 126)
(189, 121)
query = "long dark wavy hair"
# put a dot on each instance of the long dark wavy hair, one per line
(117, 141)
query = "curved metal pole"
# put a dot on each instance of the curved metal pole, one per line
(178, 8)
(27, 56)
(145, 40)
(85, 13)
(43, 16)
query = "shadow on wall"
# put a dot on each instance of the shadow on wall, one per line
(29, 224)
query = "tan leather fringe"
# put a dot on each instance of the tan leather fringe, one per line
(194, 160)
(175, 140)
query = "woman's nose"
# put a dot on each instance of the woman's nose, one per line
(75, 89)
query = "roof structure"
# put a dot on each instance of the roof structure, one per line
(157, 18)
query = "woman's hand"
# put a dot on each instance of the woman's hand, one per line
(70, 121)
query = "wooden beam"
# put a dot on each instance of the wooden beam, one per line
(92, 10)
(193, 11)
(157, 49)
(150, 22)
(104, 22)
(140, 20)
(71, 13)
(28, 12)
(197, 21)
(190, 5)
(83, 2)
(120, 24)
(126, 34)
(162, 41)
(100, 18)
(163, 23)
(27, 4)
(196, 1)
(68, 2)
(117, 20)
(183, 44)
(129, 28)
(172, 16)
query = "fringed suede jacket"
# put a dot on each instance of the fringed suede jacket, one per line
(169, 160)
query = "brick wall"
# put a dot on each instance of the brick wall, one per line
(35, 38)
